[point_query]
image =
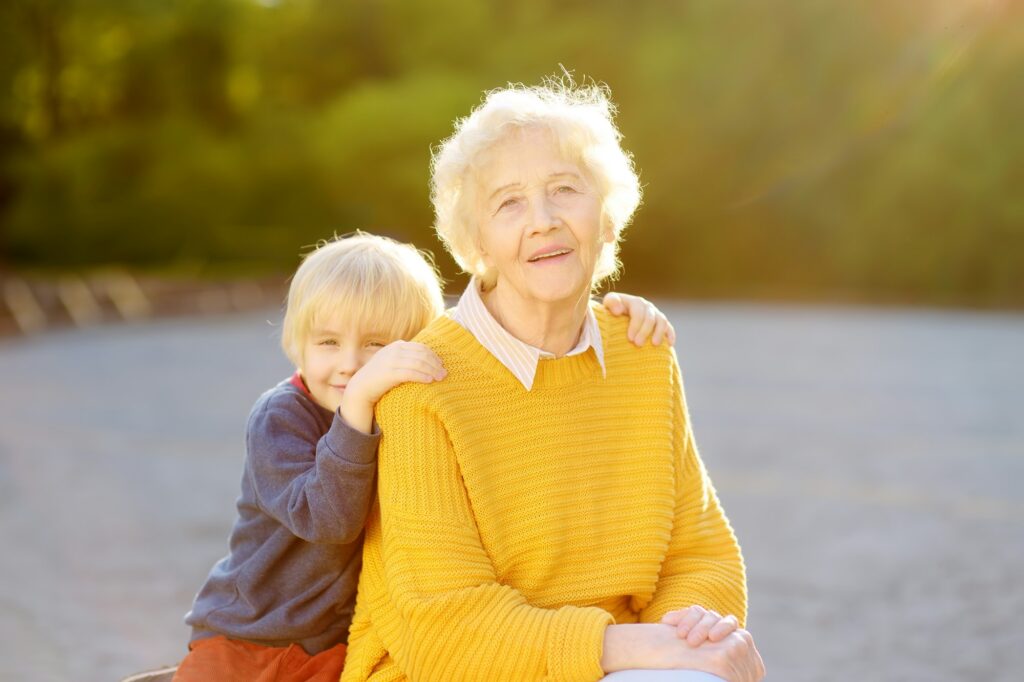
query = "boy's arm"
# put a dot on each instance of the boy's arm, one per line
(645, 319)
(319, 489)
(393, 364)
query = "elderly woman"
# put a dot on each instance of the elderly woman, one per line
(543, 512)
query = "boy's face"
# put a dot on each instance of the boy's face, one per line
(332, 353)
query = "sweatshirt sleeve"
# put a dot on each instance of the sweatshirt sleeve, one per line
(703, 564)
(447, 615)
(318, 488)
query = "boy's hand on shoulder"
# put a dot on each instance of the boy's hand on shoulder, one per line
(645, 320)
(394, 364)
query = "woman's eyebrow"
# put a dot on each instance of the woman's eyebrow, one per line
(501, 189)
(553, 176)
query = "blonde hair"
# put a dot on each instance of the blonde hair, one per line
(373, 283)
(581, 118)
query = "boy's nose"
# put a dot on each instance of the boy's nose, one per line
(348, 362)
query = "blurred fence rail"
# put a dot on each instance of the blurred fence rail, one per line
(33, 304)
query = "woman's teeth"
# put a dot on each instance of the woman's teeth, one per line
(560, 252)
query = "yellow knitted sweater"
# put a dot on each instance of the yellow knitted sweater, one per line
(512, 526)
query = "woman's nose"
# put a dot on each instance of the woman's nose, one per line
(542, 217)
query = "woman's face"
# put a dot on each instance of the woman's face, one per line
(539, 218)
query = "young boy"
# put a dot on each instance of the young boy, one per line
(279, 605)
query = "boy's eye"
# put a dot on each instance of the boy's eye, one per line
(375, 344)
(327, 342)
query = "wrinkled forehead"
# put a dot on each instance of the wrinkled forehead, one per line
(526, 154)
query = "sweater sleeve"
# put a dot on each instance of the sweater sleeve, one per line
(318, 488)
(703, 564)
(454, 619)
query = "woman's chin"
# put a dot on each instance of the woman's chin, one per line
(560, 295)
(559, 287)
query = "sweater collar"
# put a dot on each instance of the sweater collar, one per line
(518, 357)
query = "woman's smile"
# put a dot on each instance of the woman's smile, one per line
(546, 256)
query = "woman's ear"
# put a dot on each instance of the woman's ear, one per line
(483, 256)
(607, 229)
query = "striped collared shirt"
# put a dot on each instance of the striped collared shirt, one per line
(519, 357)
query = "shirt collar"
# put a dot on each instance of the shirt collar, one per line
(519, 357)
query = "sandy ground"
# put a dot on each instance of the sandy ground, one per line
(872, 462)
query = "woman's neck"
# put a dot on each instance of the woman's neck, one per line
(551, 326)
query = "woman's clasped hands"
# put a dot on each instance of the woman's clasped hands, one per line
(694, 638)
(697, 624)
(727, 650)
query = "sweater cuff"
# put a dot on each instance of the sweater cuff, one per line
(578, 644)
(351, 444)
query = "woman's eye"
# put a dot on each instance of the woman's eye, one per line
(566, 189)
(508, 203)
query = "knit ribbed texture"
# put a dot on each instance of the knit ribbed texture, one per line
(513, 526)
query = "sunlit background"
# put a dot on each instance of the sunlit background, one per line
(865, 151)
(833, 219)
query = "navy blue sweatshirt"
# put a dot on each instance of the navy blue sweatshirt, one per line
(296, 549)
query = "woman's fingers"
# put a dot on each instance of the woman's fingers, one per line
(723, 628)
(699, 632)
(689, 619)
(673, 617)
(747, 658)
(735, 658)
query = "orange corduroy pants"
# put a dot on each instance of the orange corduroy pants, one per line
(219, 659)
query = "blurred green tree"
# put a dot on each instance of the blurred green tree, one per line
(788, 148)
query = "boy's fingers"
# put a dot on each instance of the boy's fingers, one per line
(409, 374)
(632, 329)
(435, 370)
(648, 319)
(421, 352)
(660, 331)
(418, 362)
(668, 333)
(637, 318)
(723, 628)
(613, 303)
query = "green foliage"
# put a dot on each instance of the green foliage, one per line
(787, 147)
